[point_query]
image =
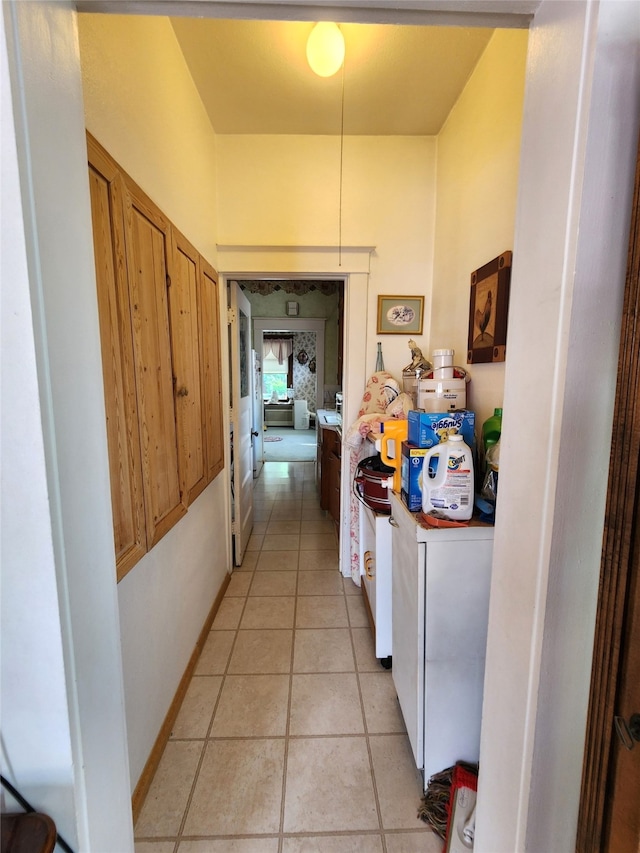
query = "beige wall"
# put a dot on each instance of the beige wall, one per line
(284, 191)
(140, 103)
(478, 160)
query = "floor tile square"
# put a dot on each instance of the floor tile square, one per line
(320, 583)
(228, 615)
(311, 514)
(318, 542)
(366, 660)
(381, 708)
(229, 845)
(321, 611)
(329, 786)
(249, 560)
(281, 542)
(277, 561)
(333, 844)
(318, 560)
(261, 652)
(238, 585)
(239, 788)
(285, 528)
(413, 842)
(273, 583)
(215, 653)
(255, 542)
(325, 704)
(271, 612)
(153, 847)
(323, 650)
(197, 707)
(165, 804)
(358, 617)
(398, 781)
(252, 706)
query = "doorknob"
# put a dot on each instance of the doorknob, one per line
(629, 732)
(255, 432)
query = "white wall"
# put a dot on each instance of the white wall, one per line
(580, 135)
(158, 131)
(388, 203)
(57, 546)
(478, 162)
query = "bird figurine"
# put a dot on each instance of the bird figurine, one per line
(484, 315)
(417, 359)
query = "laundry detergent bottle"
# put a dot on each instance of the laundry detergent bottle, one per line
(450, 489)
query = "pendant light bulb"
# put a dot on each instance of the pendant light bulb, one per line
(325, 49)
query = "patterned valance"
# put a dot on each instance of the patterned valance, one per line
(281, 348)
(297, 287)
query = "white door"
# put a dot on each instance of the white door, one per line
(241, 420)
(258, 415)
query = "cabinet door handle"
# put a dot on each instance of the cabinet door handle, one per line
(393, 522)
(368, 563)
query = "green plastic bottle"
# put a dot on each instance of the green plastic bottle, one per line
(491, 430)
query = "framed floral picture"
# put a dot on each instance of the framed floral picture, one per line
(400, 315)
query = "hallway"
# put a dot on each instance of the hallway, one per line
(290, 738)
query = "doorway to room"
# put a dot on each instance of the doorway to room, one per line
(298, 346)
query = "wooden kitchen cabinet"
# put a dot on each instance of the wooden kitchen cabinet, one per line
(331, 469)
(158, 303)
(184, 284)
(147, 248)
(123, 438)
(211, 369)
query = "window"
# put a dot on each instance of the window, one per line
(275, 377)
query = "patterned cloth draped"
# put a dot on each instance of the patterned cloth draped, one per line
(382, 400)
(280, 348)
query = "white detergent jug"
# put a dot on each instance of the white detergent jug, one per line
(450, 490)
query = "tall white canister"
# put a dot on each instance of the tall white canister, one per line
(443, 364)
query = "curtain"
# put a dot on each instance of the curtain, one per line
(281, 348)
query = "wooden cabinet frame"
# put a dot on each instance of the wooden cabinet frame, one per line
(158, 302)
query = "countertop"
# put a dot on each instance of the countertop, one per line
(329, 419)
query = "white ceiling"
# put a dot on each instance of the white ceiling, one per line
(253, 76)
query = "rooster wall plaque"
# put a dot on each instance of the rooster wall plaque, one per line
(488, 309)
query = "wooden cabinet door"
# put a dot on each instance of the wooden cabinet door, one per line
(211, 369)
(334, 488)
(185, 349)
(148, 251)
(127, 497)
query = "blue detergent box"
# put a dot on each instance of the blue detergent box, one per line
(411, 475)
(429, 428)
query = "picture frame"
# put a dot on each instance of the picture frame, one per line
(400, 315)
(488, 310)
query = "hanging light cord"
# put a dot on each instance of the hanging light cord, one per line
(341, 159)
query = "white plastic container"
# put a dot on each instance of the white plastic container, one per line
(451, 490)
(442, 363)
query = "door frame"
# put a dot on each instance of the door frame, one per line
(299, 324)
(617, 566)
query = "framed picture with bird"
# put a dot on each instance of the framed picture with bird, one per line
(488, 310)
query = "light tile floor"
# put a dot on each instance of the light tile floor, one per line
(290, 737)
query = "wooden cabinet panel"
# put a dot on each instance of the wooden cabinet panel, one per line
(211, 368)
(158, 303)
(147, 253)
(127, 498)
(185, 348)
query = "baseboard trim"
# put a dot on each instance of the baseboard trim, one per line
(144, 783)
